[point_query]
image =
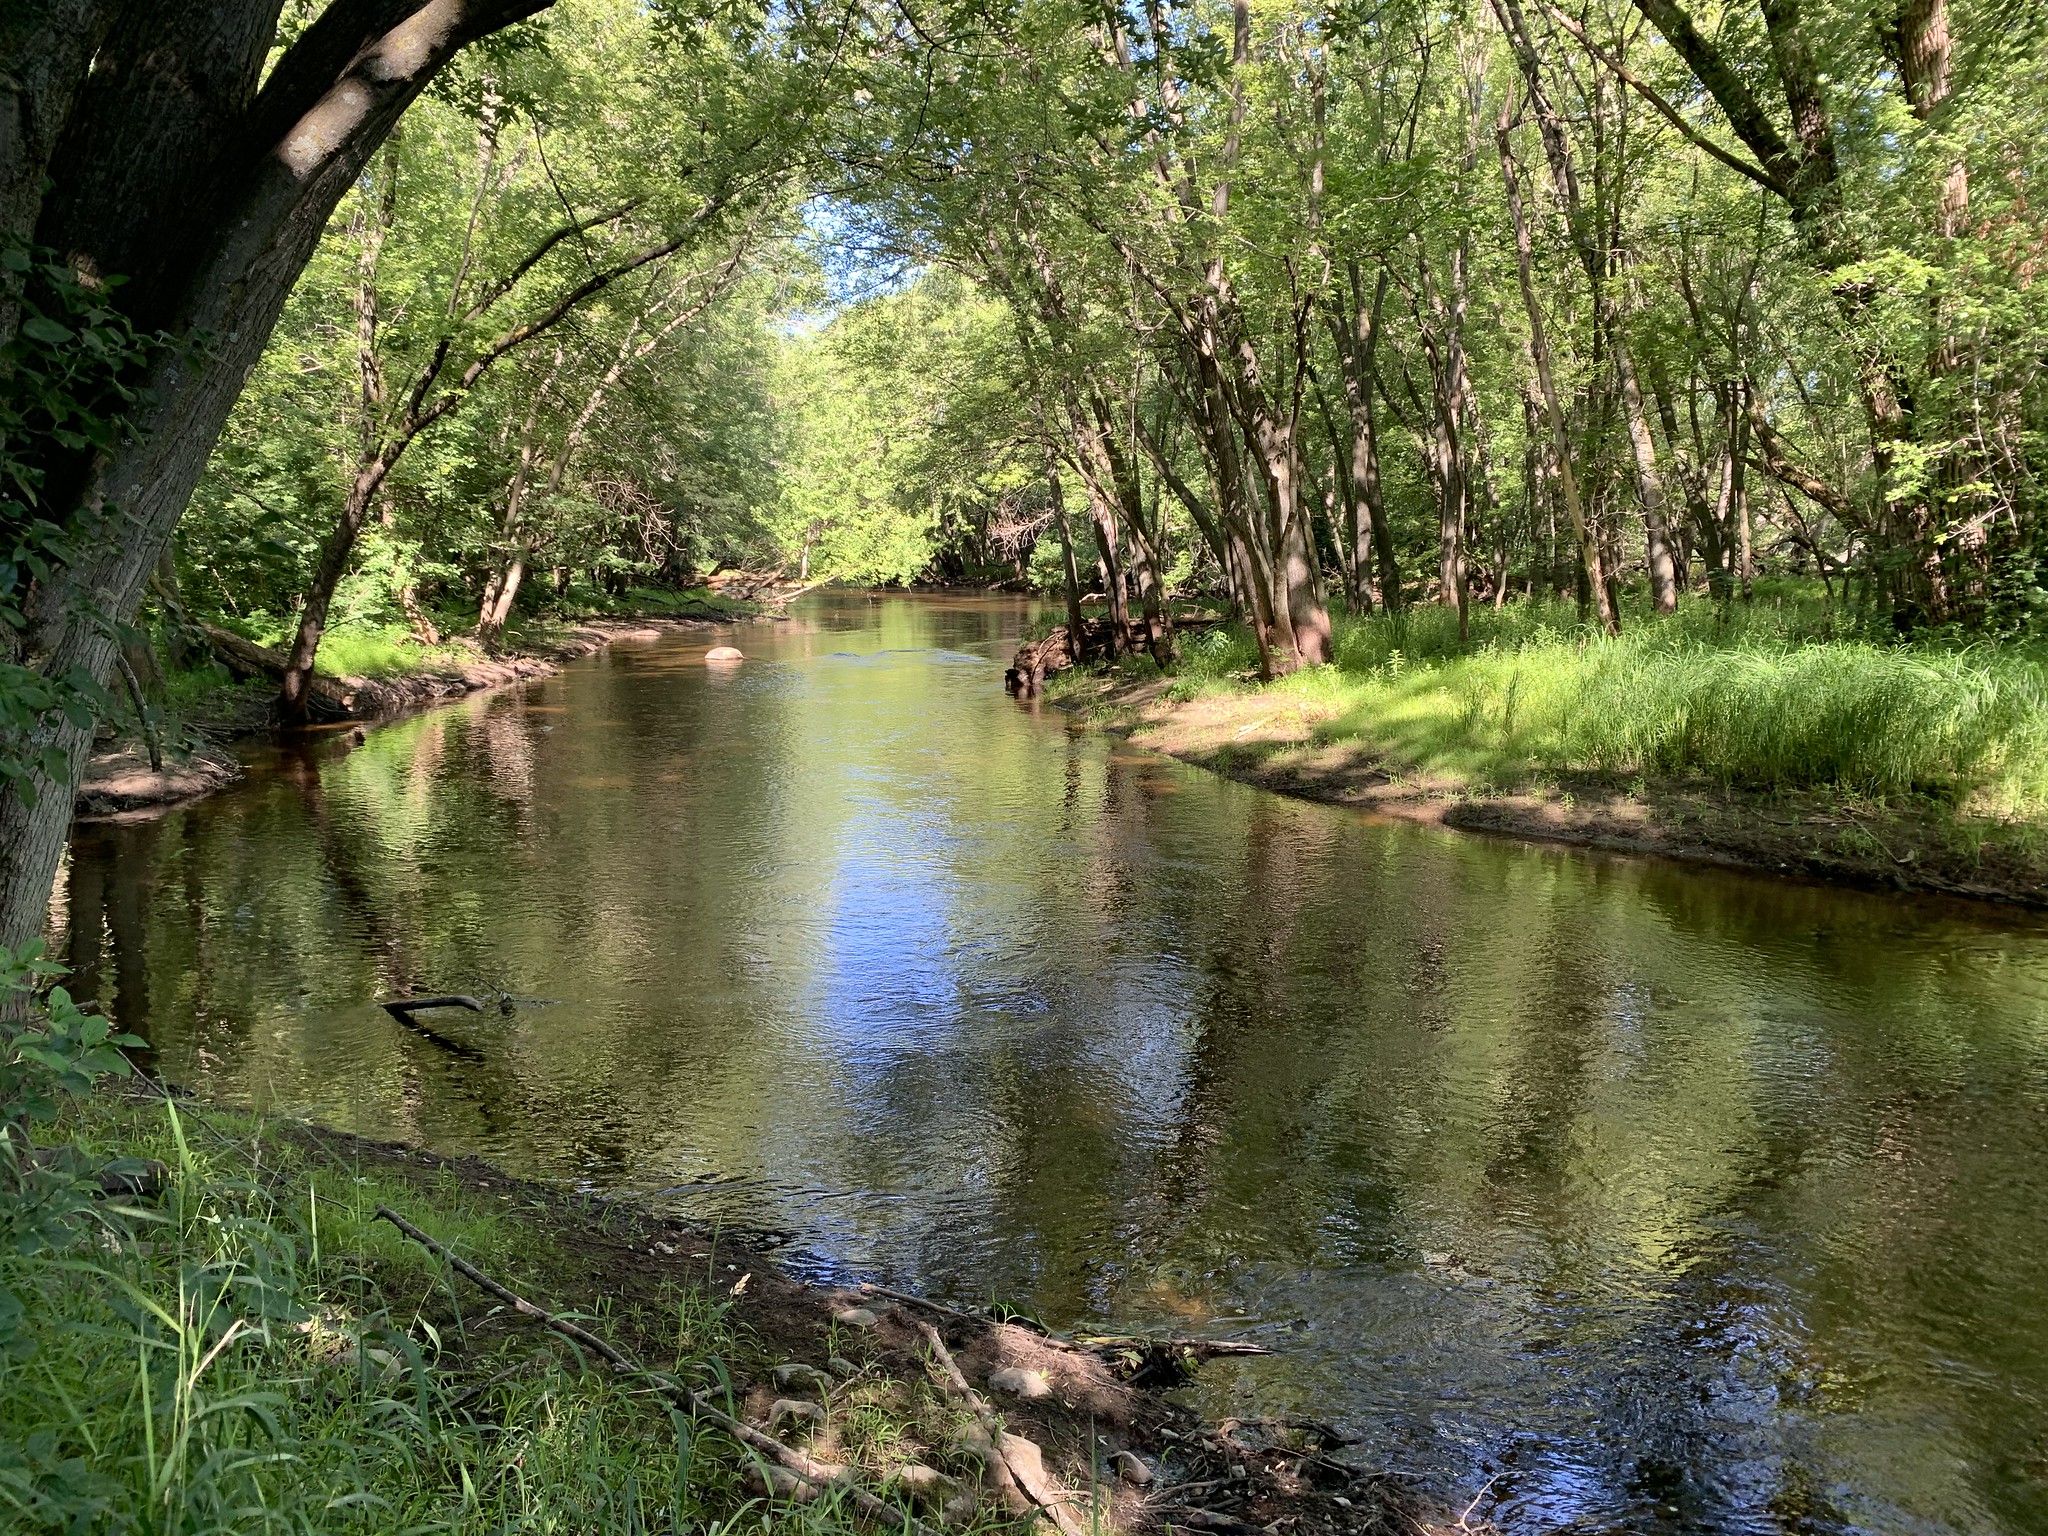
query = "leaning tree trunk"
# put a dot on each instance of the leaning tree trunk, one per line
(208, 180)
(294, 693)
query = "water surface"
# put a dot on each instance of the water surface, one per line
(1623, 1195)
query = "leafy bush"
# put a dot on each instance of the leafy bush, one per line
(51, 1052)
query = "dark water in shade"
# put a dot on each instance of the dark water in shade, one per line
(1628, 1196)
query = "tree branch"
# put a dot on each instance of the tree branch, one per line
(1730, 92)
(1671, 114)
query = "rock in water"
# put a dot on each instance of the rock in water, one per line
(724, 653)
(1019, 1383)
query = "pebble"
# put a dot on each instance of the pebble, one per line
(842, 1367)
(1130, 1468)
(793, 1408)
(797, 1374)
(960, 1510)
(1019, 1383)
(854, 1317)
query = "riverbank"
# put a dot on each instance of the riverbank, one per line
(1884, 768)
(254, 1333)
(120, 779)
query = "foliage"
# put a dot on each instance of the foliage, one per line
(51, 1055)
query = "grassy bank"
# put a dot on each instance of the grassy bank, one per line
(1901, 755)
(252, 1350)
(368, 647)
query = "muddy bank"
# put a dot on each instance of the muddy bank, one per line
(119, 781)
(1270, 740)
(1103, 1445)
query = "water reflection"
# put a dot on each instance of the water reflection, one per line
(1644, 1198)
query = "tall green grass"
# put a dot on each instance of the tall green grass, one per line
(256, 1354)
(1761, 696)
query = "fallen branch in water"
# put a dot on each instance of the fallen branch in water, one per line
(403, 1008)
(979, 1319)
(1016, 1464)
(1200, 1349)
(818, 1474)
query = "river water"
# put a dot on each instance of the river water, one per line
(1619, 1195)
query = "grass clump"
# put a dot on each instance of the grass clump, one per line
(257, 1353)
(1760, 696)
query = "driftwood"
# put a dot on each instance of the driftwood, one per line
(1137, 1354)
(403, 1008)
(807, 1469)
(1038, 659)
(1016, 1464)
(979, 1319)
(1163, 1361)
(328, 698)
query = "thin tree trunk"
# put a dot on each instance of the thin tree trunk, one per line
(1591, 567)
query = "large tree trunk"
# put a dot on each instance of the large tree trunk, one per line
(1070, 573)
(174, 169)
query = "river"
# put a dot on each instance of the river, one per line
(1614, 1194)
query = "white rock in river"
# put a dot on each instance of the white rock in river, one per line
(1019, 1383)
(725, 653)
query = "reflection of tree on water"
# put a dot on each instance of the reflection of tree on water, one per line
(106, 915)
(1635, 1185)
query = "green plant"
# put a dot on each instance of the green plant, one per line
(51, 1053)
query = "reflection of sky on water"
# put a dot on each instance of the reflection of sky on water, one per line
(1643, 1198)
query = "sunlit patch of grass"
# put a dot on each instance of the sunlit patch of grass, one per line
(1751, 696)
(385, 650)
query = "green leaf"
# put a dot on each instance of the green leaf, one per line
(42, 328)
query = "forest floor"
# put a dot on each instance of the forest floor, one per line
(1316, 748)
(211, 709)
(390, 1381)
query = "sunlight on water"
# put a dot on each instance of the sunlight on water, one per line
(1637, 1197)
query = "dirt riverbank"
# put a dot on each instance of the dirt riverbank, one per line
(119, 780)
(1086, 1424)
(1271, 740)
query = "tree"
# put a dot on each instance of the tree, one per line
(180, 156)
